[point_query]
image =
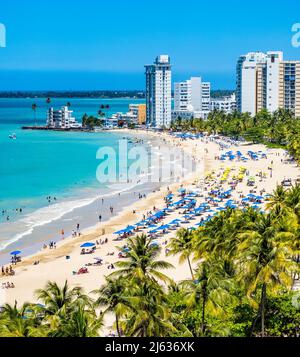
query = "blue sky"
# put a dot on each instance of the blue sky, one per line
(95, 44)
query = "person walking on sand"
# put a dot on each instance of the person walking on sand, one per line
(63, 234)
(100, 218)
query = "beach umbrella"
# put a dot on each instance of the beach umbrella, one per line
(16, 252)
(142, 223)
(166, 226)
(153, 231)
(176, 221)
(87, 245)
(130, 228)
(119, 232)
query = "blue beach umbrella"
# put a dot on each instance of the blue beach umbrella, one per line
(153, 231)
(119, 232)
(16, 252)
(166, 226)
(87, 245)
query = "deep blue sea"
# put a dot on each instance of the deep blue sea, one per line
(39, 164)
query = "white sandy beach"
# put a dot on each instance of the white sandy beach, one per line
(54, 266)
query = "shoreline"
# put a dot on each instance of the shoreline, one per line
(147, 187)
(53, 265)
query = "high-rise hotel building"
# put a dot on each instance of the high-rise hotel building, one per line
(266, 81)
(159, 93)
(191, 98)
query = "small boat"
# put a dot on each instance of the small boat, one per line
(13, 136)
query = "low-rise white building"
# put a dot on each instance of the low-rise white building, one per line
(61, 119)
(227, 104)
(188, 115)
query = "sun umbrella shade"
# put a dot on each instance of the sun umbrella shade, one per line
(87, 245)
(16, 252)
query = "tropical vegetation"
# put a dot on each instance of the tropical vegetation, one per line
(278, 129)
(244, 265)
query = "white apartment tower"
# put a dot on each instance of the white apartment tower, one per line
(188, 95)
(159, 92)
(206, 97)
(266, 81)
(192, 96)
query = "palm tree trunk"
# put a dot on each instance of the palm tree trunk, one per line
(263, 308)
(255, 322)
(203, 315)
(117, 325)
(261, 312)
(191, 270)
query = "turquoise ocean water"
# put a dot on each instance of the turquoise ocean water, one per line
(40, 164)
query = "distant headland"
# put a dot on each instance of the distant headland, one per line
(134, 94)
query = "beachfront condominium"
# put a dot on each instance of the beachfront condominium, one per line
(139, 111)
(61, 119)
(226, 104)
(191, 99)
(159, 93)
(266, 81)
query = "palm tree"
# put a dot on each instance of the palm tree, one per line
(59, 300)
(112, 296)
(34, 108)
(293, 200)
(80, 323)
(211, 289)
(219, 235)
(151, 316)
(265, 261)
(277, 199)
(21, 322)
(141, 262)
(183, 245)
